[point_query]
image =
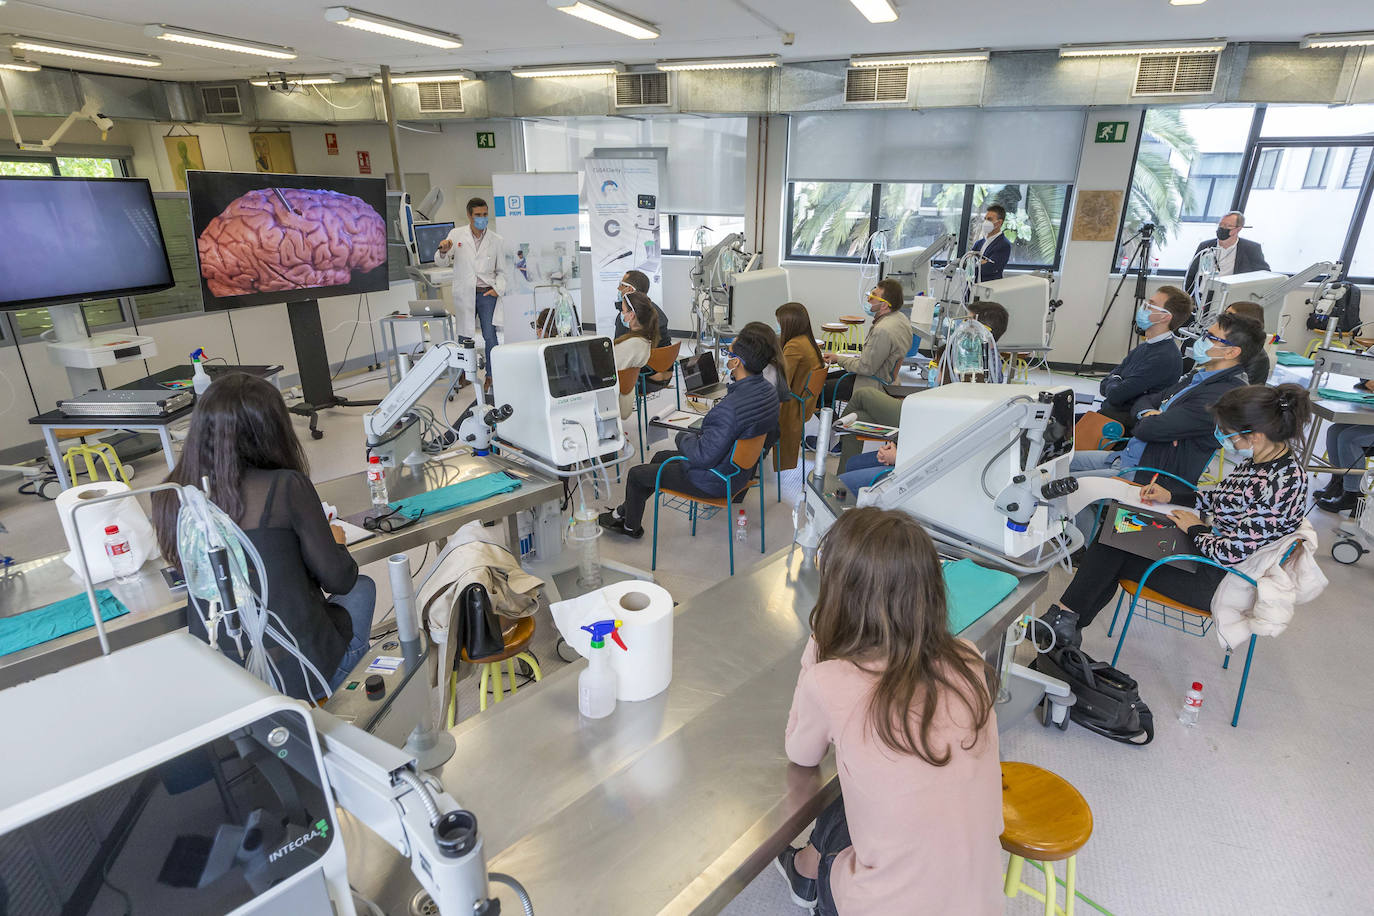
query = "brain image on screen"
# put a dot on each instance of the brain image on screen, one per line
(287, 238)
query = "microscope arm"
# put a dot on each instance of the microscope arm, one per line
(1279, 290)
(407, 393)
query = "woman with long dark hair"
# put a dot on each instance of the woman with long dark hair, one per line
(242, 440)
(907, 706)
(800, 358)
(633, 348)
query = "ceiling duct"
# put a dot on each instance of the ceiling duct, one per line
(220, 101)
(1176, 74)
(440, 97)
(876, 84)
(639, 90)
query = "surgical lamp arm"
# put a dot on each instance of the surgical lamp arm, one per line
(1282, 288)
(441, 357)
(381, 787)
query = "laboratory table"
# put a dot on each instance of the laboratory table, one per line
(1328, 409)
(671, 805)
(154, 609)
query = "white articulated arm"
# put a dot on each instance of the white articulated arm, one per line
(407, 393)
(1281, 289)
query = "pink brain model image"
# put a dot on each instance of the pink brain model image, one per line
(286, 238)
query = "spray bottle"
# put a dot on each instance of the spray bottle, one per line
(199, 380)
(596, 686)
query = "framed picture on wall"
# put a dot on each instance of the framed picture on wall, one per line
(272, 152)
(183, 152)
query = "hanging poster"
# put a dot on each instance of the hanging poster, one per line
(622, 202)
(272, 152)
(536, 216)
(183, 152)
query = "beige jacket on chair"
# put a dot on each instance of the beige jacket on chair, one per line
(1241, 610)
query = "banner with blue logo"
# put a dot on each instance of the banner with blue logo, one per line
(622, 202)
(537, 216)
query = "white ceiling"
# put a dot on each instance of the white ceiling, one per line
(498, 34)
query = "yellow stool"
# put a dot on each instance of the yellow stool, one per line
(834, 333)
(1045, 820)
(517, 635)
(88, 452)
(851, 336)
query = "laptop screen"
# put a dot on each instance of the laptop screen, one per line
(427, 239)
(698, 371)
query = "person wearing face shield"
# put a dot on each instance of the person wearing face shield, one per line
(992, 244)
(887, 344)
(478, 258)
(1234, 254)
(1153, 365)
(636, 281)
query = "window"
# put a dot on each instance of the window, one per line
(28, 167)
(1318, 163)
(1211, 186)
(918, 214)
(1267, 168)
(1362, 263)
(829, 219)
(174, 214)
(689, 233)
(1035, 215)
(100, 315)
(1355, 171)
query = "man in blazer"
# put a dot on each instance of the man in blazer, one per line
(1234, 254)
(993, 245)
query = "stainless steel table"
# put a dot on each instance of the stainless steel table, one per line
(671, 805)
(1332, 411)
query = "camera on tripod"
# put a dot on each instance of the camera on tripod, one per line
(1147, 230)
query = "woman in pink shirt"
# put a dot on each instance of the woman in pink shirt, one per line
(906, 705)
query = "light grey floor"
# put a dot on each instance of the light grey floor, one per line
(1272, 817)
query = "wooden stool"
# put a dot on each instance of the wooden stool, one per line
(88, 452)
(851, 334)
(834, 333)
(517, 635)
(1046, 820)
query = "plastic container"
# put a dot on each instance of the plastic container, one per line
(742, 527)
(121, 554)
(596, 686)
(199, 379)
(1192, 705)
(376, 483)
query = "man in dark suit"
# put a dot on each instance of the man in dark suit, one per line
(1234, 254)
(993, 245)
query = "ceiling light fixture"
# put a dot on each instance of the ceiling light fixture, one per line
(1186, 2)
(219, 42)
(608, 17)
(1201, 46)
(322, 79)
(63, 49)
(392, 28)
(569, 70)
(933, 57)
(876, 10)
(437, 76)
(719, 63)
(9, 62)
(1337, 39)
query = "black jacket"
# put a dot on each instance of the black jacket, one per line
(1180, 440)
(1146, 370)
(1249, 256)
(998, 254)
(749, 408)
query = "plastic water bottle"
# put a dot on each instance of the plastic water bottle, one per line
(1192, 705)
(741, 527)
(376, 482)
(121, 554)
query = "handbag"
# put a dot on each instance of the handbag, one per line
(1107, 701)
(480, 628)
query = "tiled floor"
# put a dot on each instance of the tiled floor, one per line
(1272, 817)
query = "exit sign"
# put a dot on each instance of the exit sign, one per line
(1111, 131)
(486, 139)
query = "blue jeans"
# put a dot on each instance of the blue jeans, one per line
(1085, 462)
(486, 314)
(863, 469)
(1345, 445)
(361, 604)
(830, 836)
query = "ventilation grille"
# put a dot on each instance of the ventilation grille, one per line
(876, 84)
(633, 90)
(1176, 74)
(220, 100)
(440, 96)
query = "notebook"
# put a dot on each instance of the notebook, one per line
(1144, 533)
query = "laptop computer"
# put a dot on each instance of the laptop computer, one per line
(428, 308)
(1144, 533)
(699, 376)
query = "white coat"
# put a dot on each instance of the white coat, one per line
(1240, 609)
(468, 263)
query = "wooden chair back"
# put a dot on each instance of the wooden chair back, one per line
(627, 378)
(747, 452)
(661, 359)
(1091, 429)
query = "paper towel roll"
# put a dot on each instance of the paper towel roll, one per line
(126, 513)
(645, 667)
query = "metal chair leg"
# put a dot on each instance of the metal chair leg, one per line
(1121, 594)
(1121, 640)
(530, 660)
(1051, 889)
(499, 689)
(1012, 886)
(653, 564)
(1244, 677)
(763, 519)
(1070, 884)
(510, 667)
(482, 688)
(729, 526)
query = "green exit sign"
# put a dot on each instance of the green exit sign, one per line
(486, 139)
(1111, 131)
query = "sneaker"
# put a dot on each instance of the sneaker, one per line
(1346, 501)
(614, 523)
(1333, 487)
(803, 890)
(834, 444)
(1065, 626)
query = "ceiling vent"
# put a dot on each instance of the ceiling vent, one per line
(635, 90)
(1176, 74)
(876, 84)
(220, 100)
(437, 97)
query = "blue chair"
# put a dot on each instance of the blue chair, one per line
(747, 454)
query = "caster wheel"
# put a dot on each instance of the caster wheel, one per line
(1064, 726)
(129, 471)
(316, 434)
(563, 651)
(1042, 712)
(1347, 551)
(49, 489)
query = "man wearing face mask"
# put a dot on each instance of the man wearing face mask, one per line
(992, 244)
(1173, 429)
(1234, 254)
(887, 343)
(1156, 363)
(636, 281)
(477, 255)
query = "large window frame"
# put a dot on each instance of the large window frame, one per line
(966, 219)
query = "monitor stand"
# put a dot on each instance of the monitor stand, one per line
(307, 335)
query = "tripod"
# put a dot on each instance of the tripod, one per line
(1140, 262)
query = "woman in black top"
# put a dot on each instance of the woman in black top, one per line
(242, 440)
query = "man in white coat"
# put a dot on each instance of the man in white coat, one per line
(477, 256)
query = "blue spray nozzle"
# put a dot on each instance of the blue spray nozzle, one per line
(197, 354)
(603, 628)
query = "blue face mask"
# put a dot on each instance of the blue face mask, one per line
(479, 223)
(1225, 441)
(1202, 350)
(870, 308)
(1144, 316)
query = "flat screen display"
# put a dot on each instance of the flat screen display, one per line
(581, 365)
(264, 238)
(427, 239)
(77, 240)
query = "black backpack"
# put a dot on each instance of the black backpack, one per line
(1346, 312)
(1106, 701)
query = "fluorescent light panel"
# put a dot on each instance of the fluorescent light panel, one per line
(608, 17)
(392, 28)
(1186, 2)
(218, 42)
(9, 62)
(438, 76)
(322, 79)
(719, 63)
(1338, 39)
(1203, 46)
(876, 10)
(569, 70)
(933, 57)
(64, 49)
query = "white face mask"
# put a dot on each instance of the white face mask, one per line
(988, 227)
